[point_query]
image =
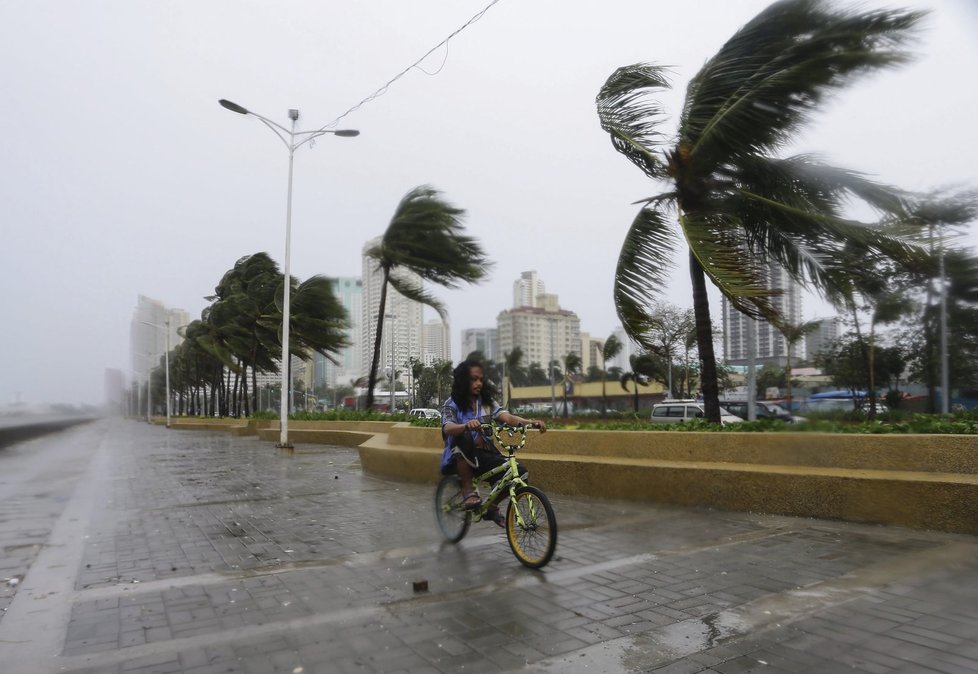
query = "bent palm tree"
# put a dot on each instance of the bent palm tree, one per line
(515, 372)
(739, 206)
(572, 366)
(425, 238)
(793, 333)
(644, 370)
(609, 350)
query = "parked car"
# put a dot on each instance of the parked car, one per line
(425, 413)
(762, 410)
(677, 411)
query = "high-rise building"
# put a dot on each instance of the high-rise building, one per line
(829, 330)
(770, 345)
(403, 322)
(484, 340)
(543, 331)
(526, 289)
(151, 321)
(590, 352)
(349, 292)
(437, 343)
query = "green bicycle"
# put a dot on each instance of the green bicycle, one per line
(531, 526)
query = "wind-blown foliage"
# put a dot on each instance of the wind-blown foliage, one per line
(644, 368)
(737, 204)
(609, 351)
(240, 332)
(425, 241)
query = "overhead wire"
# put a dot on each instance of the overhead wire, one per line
(417, 64)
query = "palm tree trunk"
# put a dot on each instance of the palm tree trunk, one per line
(254, 388)
(704, 342)
(244, 393)
(865, 352)
(787, 373)
(604, 393)
(372, 381)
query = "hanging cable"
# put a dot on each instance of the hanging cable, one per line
(444, 43)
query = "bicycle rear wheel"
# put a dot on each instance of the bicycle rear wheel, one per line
(531, 527)
(450, 513)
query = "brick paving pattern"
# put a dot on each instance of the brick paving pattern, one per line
(208, 553)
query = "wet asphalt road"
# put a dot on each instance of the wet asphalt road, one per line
(131, 548)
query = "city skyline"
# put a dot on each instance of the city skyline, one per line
(526, 323)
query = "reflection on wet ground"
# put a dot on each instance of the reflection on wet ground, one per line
(205, 552)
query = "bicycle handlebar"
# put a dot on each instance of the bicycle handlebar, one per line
(532, 424)
(516, 435)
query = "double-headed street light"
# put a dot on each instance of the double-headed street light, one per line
(293, 140)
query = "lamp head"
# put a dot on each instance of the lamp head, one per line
(233, 107)
(347, 133)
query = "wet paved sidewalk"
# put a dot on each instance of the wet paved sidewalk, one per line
(147, 550)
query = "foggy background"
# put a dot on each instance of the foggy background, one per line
(120, 175)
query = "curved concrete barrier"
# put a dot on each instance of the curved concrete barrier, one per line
(923, 481)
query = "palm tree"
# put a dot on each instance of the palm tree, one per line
(793, 333)
(318, 321)
(443, 379)
(536, 375)
(424, 238)
(609, 350)
(515, 372)
(644, 369)
(572, 365)
(941, 214)
(739, 206)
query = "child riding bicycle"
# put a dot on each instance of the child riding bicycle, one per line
(468, 450)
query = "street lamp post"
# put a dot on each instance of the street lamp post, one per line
(553, 395)
(945, 372)
(289, 138)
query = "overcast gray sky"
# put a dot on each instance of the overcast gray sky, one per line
(121, 175)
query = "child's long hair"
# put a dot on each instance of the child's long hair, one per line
(460, 385)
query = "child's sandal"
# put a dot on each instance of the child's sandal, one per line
(471, 501)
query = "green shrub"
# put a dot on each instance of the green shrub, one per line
(959, 423)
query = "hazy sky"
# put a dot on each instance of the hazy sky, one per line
(121, 175)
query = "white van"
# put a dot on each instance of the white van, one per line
(677, 411)
(425, 413)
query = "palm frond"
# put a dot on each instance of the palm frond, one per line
(644, 265)
(814, 186)
(718, 243)
(426, 236)
(945, 207)
(630, 114)
(412, 290)
(769, 78)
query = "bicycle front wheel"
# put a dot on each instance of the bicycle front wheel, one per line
(450, 513)
(531, 527)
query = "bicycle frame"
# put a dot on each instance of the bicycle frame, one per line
(511, 479)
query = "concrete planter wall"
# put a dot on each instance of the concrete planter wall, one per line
(924, 481)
